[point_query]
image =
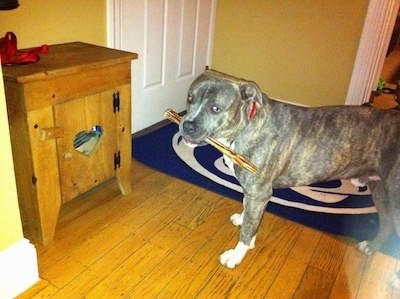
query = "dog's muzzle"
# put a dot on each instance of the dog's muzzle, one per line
(189, 130)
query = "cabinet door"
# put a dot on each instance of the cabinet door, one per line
(86, 150)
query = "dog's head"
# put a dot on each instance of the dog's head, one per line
(218, 105)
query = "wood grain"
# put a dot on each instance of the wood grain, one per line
(163, 241)
(67, 91)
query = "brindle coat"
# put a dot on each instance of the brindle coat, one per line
(293, 146)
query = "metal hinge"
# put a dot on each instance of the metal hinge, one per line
(116, 101)
(117, 160)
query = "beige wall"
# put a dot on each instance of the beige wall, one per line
(296, 50)
(300, 51)
(37, 22)
(10, 223)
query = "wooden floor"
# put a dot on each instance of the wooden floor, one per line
(164, 239)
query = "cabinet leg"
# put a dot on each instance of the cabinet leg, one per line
(124, 140)
(46, 176)
(124, 177)
(48, 224)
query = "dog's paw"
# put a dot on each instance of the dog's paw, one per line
(395, 281)
(234, 257)
(237, 219)
(356, 182)
(365, 248)
(230, 259)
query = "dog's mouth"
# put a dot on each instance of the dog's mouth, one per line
(189, 142)
(192, 143)
(191, 134)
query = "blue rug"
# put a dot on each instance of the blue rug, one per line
(335, 207)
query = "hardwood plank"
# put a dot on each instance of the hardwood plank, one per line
(163, 266)
(292, 271)
(279, 236)
(164, 239)
(200, 253)
(323, 268)
(89, 224)
(329, 253)
(316, 283)
(350, 272)
(131, 272)
(207, 231)
(139, 171)
(154, 283)
(203, 204)
(41, 289)
(94, 248)
(95, 275)
(136, 280)
(115, 258)
(378, 269)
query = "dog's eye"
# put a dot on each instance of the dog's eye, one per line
(190, 98)
(215, 109)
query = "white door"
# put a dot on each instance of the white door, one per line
(173, 39)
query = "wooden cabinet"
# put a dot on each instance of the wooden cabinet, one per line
(70, 126)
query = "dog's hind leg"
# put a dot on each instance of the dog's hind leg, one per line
(386, 228)
(395, 280)
(364, 180)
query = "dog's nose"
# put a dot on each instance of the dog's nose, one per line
(189, 127)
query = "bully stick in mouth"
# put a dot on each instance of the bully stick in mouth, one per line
(235, 157)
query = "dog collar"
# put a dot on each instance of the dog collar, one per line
(253, 110)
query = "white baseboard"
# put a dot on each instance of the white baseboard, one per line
(18, 269)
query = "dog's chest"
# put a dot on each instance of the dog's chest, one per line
(228, 162)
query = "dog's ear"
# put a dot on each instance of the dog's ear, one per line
(251, 92)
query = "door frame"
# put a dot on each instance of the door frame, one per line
(374, 43)
(114, 24)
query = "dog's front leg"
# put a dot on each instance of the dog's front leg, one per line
(233, 257)
(252, 215)
(237, 219)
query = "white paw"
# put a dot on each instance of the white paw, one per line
(230, 259)
(364, 247)
(356, 182)
(253, 242)
(395, 281)
(237, 219)
(234, 257)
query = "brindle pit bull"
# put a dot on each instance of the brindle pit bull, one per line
(296, 146)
